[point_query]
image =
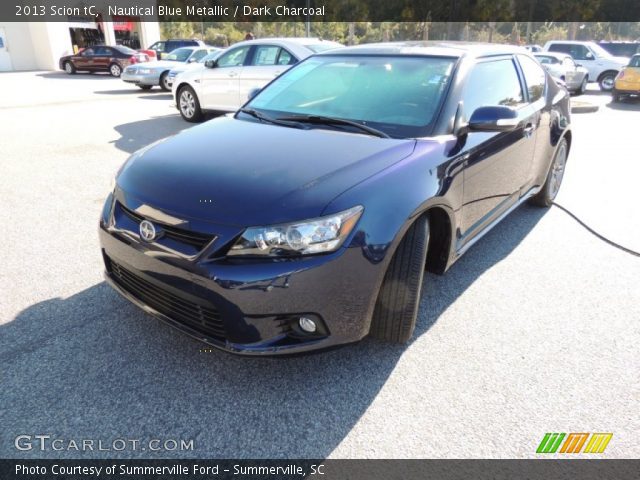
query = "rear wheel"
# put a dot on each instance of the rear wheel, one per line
(396, 310)
(164, 85)
(69, 68)
(189, 105)
(545, 197)
(607, 81)
(115, 70)
(583, 87)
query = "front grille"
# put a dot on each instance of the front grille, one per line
(195, 239)
(204, 319)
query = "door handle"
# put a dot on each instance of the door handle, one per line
(232, 74)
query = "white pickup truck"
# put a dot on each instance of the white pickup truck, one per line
(603, 67)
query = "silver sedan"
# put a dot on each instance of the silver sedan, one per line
(563, 67)
(149, 74)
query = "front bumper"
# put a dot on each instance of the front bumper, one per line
(152, 79)
(249, 307)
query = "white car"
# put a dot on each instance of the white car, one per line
(183, 67)
(149, 74)
(224, 84)
(563, 67)
(603, 67)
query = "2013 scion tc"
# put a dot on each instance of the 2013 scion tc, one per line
(307, 219)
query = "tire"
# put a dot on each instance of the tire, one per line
(396, 310)
(145, 87)
(69, 68)
(545, 197)
(607, 81)
(583, 87)
(115, 70)
(189, 105)
(163, 82)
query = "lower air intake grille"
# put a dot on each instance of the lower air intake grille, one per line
(204, 319)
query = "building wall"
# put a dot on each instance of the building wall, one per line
(39, 45)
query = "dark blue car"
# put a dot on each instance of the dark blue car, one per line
(307, 220)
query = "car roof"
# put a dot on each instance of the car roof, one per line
(431, 48)
(571, 42)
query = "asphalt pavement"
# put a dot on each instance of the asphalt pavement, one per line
(536, 329)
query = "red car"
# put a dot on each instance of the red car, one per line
(102, 58)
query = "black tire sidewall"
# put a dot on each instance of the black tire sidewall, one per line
(163, 78)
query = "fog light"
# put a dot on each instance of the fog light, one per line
(307, 325)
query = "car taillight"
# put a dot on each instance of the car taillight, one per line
(133, 59)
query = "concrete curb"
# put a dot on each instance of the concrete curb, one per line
(584, 107)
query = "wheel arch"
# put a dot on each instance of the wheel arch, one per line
(610, 70)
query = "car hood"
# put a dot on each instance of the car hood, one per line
(240, 172)
(159, 64)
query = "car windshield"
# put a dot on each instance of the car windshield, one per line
(546, 59)
(212, 56)
(599, 51)
(126, 50)
(179, 55)
(399, 95)
(635, 62)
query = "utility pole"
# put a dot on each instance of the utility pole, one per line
(308, 22)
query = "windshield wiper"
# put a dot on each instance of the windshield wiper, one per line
(322, 120)
(265, 118)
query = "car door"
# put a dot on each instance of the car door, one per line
(497, 165)
(266, 62)
(220, 85)
(84, 59)
(571, 71)
(102, 58)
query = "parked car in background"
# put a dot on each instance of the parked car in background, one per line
(224, 84)
(621, 49)
(183, 67)
(603, 67)
(533, 48)
(306, 220)
(628, 80)
(149, 74)
(164, 47)
(101, 58)
(563, 67)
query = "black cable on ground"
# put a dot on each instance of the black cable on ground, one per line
(592, 231)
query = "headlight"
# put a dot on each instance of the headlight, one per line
(144, 71)
(319, 235)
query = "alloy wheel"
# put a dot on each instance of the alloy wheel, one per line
(557, 171)
(68, 68)
(187, 104)
(115, 70)
(607, 83)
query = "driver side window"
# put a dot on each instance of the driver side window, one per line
(234, 58)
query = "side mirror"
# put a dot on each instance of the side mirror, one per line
(210, 64)
(589, 56)
(192, 60)
(253, 92)
(494, 119)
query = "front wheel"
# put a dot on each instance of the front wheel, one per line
(115, 70)
(607, 81)
(69, 68)
(164, 82)
(396, 310)
(189, 105)
(545, 197)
